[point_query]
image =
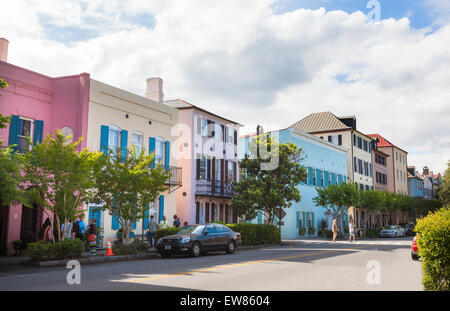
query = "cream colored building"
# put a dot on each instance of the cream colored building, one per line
(118, 118)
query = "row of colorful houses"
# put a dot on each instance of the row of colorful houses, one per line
(201, 149)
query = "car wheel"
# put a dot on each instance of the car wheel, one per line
(231, 247)
(414, 256)
(164, 254)
(196, 249)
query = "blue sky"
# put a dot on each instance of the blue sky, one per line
(420, 14)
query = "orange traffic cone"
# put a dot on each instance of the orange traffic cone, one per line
(109, 249)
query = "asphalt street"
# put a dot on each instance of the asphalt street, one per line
(382, 264)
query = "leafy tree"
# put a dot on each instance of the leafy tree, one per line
(126, 184)
(3, 119)
(444, 190)
(372, 201)
(336, 199)
(10, 164)
(270, 182)
(59, 178)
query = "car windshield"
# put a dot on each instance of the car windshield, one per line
(194, 229)
(393, 227)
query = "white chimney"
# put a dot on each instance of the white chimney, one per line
(4, 49)
(155, 89)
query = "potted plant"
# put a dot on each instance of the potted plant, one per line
(311, 230)
(302, 231)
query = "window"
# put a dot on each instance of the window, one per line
(359, 142)
(218, 132)
(365, 145)
(339, 140)
(230, 133)
(113, 138)
(137, 142)
(204, 123)
(202, 168)
(210, 128)
(230, 171)
(159, 150)
(321, 178)
(355, 164)
(210, 229)
(25, 131)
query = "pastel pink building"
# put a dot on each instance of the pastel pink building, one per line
(39, 105)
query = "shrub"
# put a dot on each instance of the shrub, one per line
(329, 234)
(135, 247)
(68, 249)
(434, 249)
(257, 234)
(311, 230)
(302, 231)
(372, 233)
(323, 225)
(40, 250)
(165, 232)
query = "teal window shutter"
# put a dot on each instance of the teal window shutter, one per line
(104, 134)
(146, 218)
(304, 219)
(259, 218)
(14, 128)
(325, 177)
(333, 178)
(319, 177)
(151, 147)
(161, 207)
(114, 224)
(124, 143)
(38, 131)
(310, 176)
(339, 179)
(298, 218)
(167, 155)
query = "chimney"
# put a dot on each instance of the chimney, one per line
(155, 89)
(426, 171)
(4, 50)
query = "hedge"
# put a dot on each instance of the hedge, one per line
(165, 232)
(257, 234)
(44, 250)
(433, 242)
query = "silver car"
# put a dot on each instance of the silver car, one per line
(392, 232)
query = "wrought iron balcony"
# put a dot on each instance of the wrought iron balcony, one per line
(174, 181)
(215, 188)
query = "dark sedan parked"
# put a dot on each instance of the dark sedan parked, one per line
(198, 239)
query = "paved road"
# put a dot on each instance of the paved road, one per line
(301, 265)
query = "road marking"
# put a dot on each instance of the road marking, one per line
(221, 267)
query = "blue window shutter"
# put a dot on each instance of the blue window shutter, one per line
(151, 147)
(310, 176)
(14, 128)
(161, 207)
(146, 218)
(319, 177)
(104, 134)
(259, 218)
(167, 155)
(325, 177)
(124, 143)
(114, 224)
(38, 130)
(304, 219)
(133, 226)
(298, 218)
(333, 178)
(339, 179)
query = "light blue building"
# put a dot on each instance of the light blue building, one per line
(326, 163)
(415, 183)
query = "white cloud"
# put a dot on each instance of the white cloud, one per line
(252, 65)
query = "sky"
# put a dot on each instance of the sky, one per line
(268, 62)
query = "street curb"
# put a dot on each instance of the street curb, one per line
(117, 258)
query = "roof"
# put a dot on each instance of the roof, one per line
(320, 122)
(383, 142)
(181, 105)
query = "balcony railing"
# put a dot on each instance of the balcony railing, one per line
(215, 188)
(174, 181)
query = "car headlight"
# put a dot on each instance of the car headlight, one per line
(185, 240)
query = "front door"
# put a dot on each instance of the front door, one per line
(96, 213)
(30, 223)
(4, 213)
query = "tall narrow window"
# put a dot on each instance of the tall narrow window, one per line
(159, 150)
(25, 131)
(137, 142)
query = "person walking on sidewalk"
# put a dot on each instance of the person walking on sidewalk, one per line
(152, 226)
(92, 239)
(335, 230)
(351, 231)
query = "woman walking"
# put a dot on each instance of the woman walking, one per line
(335, 229)
(351, 230)
(92, 240)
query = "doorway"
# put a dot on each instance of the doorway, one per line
(30, 224)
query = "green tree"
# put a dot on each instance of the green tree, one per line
(3, 120)
(270, 182)
(59, 178)
(444, 190)
(372, 201)
(10, 165)
(337, 199)
(126, 184)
